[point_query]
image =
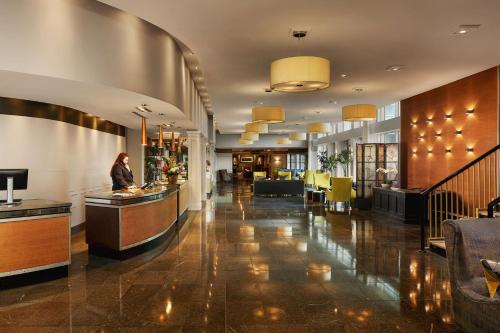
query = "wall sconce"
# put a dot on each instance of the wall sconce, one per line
(469, 111)
(469, 149)
(414, 151)
(447, 150)
(438, 135)
(429, 151)
(413, 123)
(447, 116)
(458, 132)
(420, 137)
(429, 121)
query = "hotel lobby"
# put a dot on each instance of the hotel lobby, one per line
(249, 166)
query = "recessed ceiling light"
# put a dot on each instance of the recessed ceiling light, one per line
(465, 28)
(394, 68)
(268, 90)
(344, 75)
(161, 114)
(357, 89)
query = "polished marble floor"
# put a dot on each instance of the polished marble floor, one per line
(250, 265)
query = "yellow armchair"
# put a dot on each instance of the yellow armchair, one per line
(288, 174)
(341, 191)
(322, 180)
(257, 174)
(309, 177)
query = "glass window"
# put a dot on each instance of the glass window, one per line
(389, 137)
(389, 111)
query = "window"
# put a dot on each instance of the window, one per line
(389, 137)
(296, 161)
(387, 112)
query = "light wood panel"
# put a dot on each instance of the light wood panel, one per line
(183, 197)
(33, 243)
(141, 222)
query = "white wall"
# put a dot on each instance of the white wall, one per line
(65, 161)
(224, 161)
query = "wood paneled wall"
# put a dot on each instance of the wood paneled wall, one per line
(426, 133)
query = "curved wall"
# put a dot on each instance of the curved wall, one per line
(88, 41)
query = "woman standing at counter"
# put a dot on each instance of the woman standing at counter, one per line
(121, 174)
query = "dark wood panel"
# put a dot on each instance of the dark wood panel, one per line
(102, 226)
(33, 243)
(20, 107)
(141, 222)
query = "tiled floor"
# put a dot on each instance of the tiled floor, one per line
(250, 265)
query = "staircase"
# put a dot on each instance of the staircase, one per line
(470, 192)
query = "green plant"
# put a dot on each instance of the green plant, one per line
(344, 158)
(327, 163)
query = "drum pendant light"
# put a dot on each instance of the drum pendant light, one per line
(302, 73)
(359, 112)
(283, 141)
(144, 136)
(250, 136)
(297, 136)
(268, 114)
(316, 128)
(245, 142)
(160, 137)
(260, 128)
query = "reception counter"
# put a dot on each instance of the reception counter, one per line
(183, 198)
(122, 220)
(34, 236)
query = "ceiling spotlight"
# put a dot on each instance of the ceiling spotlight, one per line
(394, 68)
(465, 28)
(161, 114)
(268, 90)
(344, 75)
(143, 108)
(357, 89)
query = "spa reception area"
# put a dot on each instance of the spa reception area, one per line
(250, 166)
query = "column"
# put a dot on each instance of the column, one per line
(136, 155)
(195, 169)
(204, 169)
(366, 132)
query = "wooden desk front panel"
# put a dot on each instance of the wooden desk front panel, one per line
(183, 198)
(141, 222)
(32, 243)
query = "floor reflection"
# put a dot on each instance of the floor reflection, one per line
(250, 265)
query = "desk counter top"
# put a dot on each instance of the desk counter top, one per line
(129, 197)
(34, 207)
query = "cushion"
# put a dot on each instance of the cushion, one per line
(284, 177)
(492, 267)
(491, 275)
(259, 178)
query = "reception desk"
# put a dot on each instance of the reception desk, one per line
(183, 197)
(34, 236)
(119, 221)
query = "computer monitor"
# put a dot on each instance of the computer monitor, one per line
(13, 179)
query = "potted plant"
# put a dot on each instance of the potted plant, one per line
(171, 169)
(344, 158)
(387, 182)
(327, 163)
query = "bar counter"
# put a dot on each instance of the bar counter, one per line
(122, 220)
(34, 236)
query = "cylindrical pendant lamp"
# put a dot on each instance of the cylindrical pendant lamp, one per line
(268, 114)
(315, 128)
(245, 142)
(160, 137)
(297, 136)
(144, 135)
(283, 141)
(250, 136)
(260, 128)
(359, 112)
(297, 74)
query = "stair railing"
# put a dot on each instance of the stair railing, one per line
(491, 206)
(460, 195)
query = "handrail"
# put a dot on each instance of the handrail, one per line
(492, 204)
(462, 169)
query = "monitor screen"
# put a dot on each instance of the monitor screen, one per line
(20, 178)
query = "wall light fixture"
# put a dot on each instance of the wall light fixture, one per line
(469, 111)
(458, 132)
(469, 149)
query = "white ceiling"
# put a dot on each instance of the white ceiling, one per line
(236, 40)
(103, 101)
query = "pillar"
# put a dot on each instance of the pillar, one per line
(196, 169)
(136, 155)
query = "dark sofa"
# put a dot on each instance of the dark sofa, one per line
(278, 187)
(468, 241)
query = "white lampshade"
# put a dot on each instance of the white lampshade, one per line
(283, 141)
(260, 127)
(250, 136)
(303, 73)
(315, 128)
(268, 114)
(297, 136)
(245, 142)
(359, 112)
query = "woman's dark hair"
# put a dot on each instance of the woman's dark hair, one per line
(118, 161)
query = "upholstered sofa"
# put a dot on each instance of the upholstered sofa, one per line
(278, 187)
(468, 241)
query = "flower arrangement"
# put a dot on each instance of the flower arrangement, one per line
(387, 183)
(171, 168)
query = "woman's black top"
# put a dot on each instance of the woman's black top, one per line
(122, 177)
